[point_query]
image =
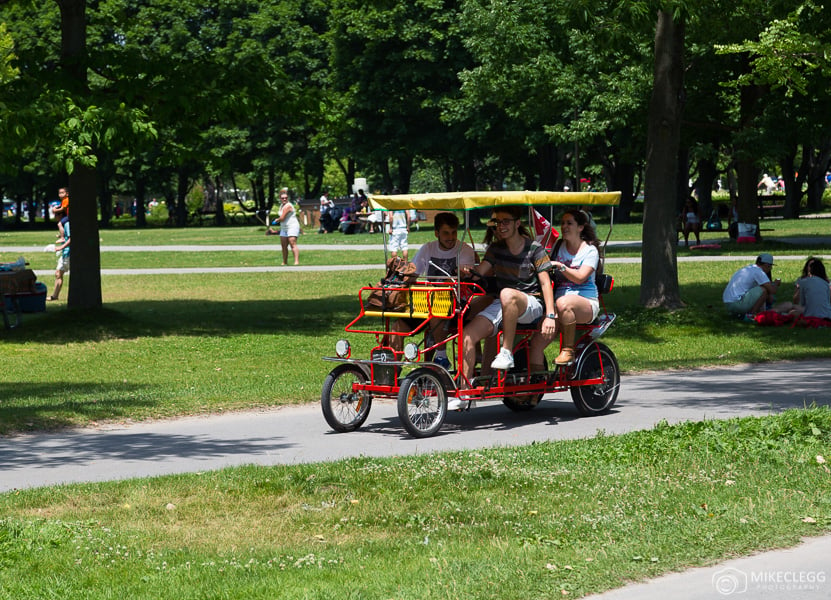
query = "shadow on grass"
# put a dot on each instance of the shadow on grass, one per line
(54, 409)
(188, 317)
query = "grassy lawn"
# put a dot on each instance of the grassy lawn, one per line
(559, 519)
(549, 520)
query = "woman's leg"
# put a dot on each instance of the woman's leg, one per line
(571, 309)
(284, 243)
(294, 249)
(514, 304)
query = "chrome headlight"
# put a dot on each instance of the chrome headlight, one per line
(411, 351)
(343, 349)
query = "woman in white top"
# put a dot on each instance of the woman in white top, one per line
(289, 228)
(575, 258)
(692, 221)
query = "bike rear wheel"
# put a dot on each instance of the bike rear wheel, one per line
(597, 361)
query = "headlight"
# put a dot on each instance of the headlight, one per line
(343, 349)
(411, 351)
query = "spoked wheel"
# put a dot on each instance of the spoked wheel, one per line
(526, 402)
(597, 399)
(422, 402)
(344, 408)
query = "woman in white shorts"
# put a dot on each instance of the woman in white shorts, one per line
(575, 258)
(399, 230)
(289, 228)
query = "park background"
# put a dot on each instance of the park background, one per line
(656, 99)
(191, 101)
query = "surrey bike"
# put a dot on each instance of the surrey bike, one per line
(422, 387)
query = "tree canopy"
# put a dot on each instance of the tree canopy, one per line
(153, 96)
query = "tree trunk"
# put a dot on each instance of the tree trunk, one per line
(816, 176)
(792, 196)
(405, 173)
(181, 193)
(85, 276)
(548, 167)
(659, 268)
(621, 177)
(747, 174)
(707, 173)
(105, 199)
(141, 197)
(85, 251)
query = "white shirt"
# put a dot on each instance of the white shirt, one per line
(587, 254)
(743, 281)
(446, 259)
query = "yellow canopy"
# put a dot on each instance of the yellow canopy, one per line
(470, 200)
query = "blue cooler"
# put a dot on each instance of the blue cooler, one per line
(30, 301)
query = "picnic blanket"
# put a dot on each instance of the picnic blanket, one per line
(773, 318)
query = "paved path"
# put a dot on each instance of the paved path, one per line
(300, 434)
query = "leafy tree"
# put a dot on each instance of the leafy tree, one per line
(393, 66)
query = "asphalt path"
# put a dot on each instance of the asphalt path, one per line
(300, 434)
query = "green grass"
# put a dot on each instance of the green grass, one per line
(548, 520)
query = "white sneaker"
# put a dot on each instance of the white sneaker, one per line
(503, 361)
(455, 404)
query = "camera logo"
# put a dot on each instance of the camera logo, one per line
(730, 581)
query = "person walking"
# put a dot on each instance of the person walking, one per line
(289, 227)
(61, 249)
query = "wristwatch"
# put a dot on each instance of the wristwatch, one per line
(562, 268)
(550, 316)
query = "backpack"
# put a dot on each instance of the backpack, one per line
(714, 223)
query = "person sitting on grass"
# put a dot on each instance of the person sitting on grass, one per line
(812, 297)
(750, 289)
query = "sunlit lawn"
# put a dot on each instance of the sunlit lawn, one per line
(548, 520)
